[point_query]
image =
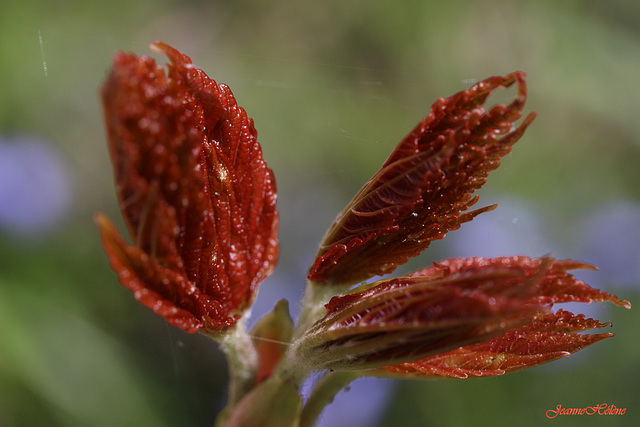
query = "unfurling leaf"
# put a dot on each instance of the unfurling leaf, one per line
(425, 186)
(194, 190)
(483, 305)
(546, 338)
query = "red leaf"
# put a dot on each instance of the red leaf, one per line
(195, 192)
(422, 190)
(546, 338)
(472, 303)
(410, 318)
(555, 286)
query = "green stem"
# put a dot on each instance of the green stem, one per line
(323, 394)
(242, 358)
(242, 361)
(315, 297)
(276, 402)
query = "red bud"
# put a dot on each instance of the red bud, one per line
(195, 192)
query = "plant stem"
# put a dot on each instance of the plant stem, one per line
(242, 361)
(315, 297)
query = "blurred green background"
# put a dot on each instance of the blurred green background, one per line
(332, 87)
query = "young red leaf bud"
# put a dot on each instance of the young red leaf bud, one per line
(546, 338)
(194, 190)
(456, 303)
(425, 186)
(271, 337)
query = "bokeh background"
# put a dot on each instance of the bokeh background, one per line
(332, 86)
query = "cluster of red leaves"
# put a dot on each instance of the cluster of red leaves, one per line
(199, 203)
(460, 317)
(195, 192)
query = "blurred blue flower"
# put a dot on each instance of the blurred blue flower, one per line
(515, 227)
(610, 239)
(35, 189)
(361, 404)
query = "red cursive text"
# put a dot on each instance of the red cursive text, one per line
(601, 409)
